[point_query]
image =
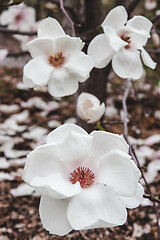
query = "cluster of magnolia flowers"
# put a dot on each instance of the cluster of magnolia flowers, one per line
(85, 180)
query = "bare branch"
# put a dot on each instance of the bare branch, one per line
(68, 17)
(8, 31)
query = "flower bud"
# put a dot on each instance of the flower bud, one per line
(89, 108)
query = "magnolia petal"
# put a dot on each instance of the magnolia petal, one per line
(40, 47)
(115, 41)
(104, 142)
(117, 172)
(75, 147)
(100, 51)
(62, 83)
(42, 162)
(56, 186)
(147, 59)
(61, 132)
(28, 82)
(98, 206)
(99, 111)
(141, 24)
(38, 70)
(68, 45)
(127, 64)
(50, 27)
(135, 200)
(79, 66)
(53, 216)
(111, 18)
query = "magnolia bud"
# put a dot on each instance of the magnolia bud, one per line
(89, 108)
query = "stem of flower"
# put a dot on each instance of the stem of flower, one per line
(125, 117)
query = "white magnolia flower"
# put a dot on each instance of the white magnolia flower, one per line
(3, 54)
(150, 4)
(122, 42)
(89, 107)
(57, 60)
(85, 181)
(18, 17)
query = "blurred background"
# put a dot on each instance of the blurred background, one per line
(27, 116)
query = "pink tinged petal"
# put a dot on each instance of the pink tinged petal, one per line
(100, 51)
(79, 66)
(127, 64)
(117, 172)
(40, 47)
(28, 82)
(61, 132)
(53, 216)
(141, 24)
(115, 42)
(98, 206)
(57, 186)
(38, 70)
(147, 59)
(62, 83)
(103, 142)
(50, 27)
(112, 21)
(135, 200)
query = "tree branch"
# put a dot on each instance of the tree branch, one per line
(8, 31)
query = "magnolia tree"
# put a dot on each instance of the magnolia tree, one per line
(85, 180)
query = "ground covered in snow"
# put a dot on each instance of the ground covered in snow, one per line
(27, 116)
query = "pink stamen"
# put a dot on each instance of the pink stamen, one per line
(83, 175)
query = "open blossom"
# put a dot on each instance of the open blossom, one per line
(89, 107)
(122, 42)
(18, 17)
(85, 181)
(57, 60)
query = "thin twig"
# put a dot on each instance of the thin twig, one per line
(68, 17)
(125, 117)
(111, 123)
(151, 198)
(134, 156)
(8, 31)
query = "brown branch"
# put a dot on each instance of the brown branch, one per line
(155, 19)
(8, 31)
(152, 198)
(17, 54)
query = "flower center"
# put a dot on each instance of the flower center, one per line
(83, 175)
(57, 60)
(126, 39)
(18, 17)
